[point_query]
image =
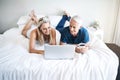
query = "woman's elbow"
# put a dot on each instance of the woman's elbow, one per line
(31, 50)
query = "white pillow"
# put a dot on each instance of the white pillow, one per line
(54, 20)
(22, 20)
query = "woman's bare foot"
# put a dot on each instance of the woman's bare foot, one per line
(33, 16)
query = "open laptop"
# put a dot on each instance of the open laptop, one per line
(59, 52)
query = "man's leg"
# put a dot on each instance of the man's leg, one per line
(61, 24)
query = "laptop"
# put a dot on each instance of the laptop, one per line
(59, 52)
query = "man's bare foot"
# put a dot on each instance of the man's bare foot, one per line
(66, 13)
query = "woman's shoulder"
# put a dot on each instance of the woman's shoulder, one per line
(34, 32)
(53, 29)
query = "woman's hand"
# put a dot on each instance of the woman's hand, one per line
(41, 52)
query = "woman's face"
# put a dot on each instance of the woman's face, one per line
(45, 28)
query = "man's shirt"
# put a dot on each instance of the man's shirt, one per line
(82, 36)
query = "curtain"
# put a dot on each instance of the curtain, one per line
(116, 39)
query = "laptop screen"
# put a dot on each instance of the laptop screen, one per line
(59, 51)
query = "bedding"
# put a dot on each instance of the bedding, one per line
(16, 63)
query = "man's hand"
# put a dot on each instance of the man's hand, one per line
(81, 49)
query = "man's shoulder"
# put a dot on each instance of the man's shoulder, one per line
(65, 31)
(83, 29)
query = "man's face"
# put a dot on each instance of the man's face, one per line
(74, 27)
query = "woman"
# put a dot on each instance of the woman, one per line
(42, 33)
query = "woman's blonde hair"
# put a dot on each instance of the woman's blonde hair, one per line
(40, 34)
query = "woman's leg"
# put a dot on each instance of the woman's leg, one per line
(33, 16)
(27, 27)
(33, 20)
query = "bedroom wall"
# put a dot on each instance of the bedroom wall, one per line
(103, 11)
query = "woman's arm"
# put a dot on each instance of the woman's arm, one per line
(53, 37)
(32, 43)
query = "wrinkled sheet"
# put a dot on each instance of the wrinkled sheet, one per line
(16, 63)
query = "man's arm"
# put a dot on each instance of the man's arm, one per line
(62, 43)
(82, 49)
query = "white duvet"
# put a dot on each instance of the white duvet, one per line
(16, 63)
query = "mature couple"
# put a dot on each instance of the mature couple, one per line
(74, 34)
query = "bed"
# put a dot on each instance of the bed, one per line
(16, 63)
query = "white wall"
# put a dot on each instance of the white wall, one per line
(102, 10)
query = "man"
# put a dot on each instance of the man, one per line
(74, 33)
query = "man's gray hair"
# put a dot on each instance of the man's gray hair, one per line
(77, 19)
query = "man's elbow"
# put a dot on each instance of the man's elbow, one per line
(62, 43)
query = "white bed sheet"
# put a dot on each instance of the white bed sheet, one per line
(16, 63)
